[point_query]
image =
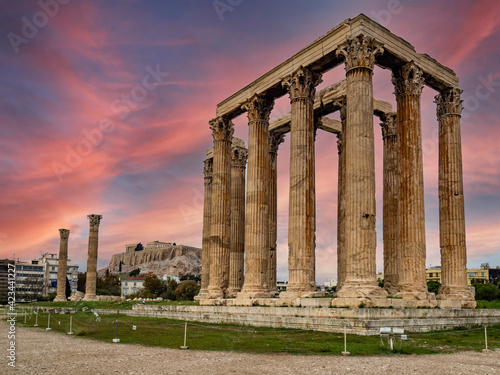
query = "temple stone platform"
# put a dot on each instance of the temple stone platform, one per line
(361, 321)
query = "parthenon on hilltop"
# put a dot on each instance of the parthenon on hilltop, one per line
(239, 235)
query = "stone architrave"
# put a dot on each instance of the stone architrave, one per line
(390, 197)
(275, 139)
(62, 265)
(257, 211)
(205, 247)
(222, 132)
(358, 144)
(408, 82)
(239, 156)
(451, 201)
(90, 289)
(341, 202)
(301, 87)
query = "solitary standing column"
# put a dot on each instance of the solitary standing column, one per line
(205, 250)
(301, 86)
(408, 83)
(451, 201)
(63, 265)
(257, 210)
(222, 132)
(92, 256)
(390, 216)
(275, 139)
(358, 145)
(341, 203)
(239, 157)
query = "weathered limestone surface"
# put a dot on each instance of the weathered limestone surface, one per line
(408, 82)
(257, 210)
(275, 139)
(239, 156)
(341, 203)
(222, 132)
(358, 145)
(302, 216)
(207, 207)
(390, 196)
(451, 201)
(62, 265)
(90, 291)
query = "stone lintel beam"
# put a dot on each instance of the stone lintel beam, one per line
(320, 56)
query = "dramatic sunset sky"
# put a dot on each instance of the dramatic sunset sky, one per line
(83, 68)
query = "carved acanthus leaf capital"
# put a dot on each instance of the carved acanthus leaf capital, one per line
(449, 103)
(302, 84)
(360, 52)
(239, 155)
(94, 220)
(275, 139)
(389, 124)
(208, 167)
(408, 80)
(259, 107)
(222, 129)
(64, 233)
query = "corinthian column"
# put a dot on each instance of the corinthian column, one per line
(390, 216)
(341, 202)
(222, 132)
(275, 139)
(90, 288)
(451, 201)
(301, 86)
(408, 82)
(257, 210)
(205, 247)
(358, 145)
(239, 157)
(63, 265)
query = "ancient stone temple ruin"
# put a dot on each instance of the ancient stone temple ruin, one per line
(237, 231)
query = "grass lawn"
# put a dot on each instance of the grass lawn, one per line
(169, 333)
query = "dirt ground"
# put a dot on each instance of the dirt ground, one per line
(42, 352)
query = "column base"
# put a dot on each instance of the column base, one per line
(60, 299)
(300, 290)
(215, 293)
(418, 298)
(391, 289)
(203, 294)
(232, 292)
(458, 293)
(253, 292)
(90, 297)
(361, 294)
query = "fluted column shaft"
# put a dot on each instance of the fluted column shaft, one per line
(358, 145)
(274, 141)
(302, 216)
(408, 82)
(451, 200)
(239, 157)
(257, 210)
(390, 197)
(341, 202)
(62, 265)
(205, 246)
(222, 132)
(90, 290)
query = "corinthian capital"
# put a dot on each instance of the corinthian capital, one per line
(208, 167)
(222, 129)
(94, 220)
(259, 107)
(64, 233)
(360, 52)
(302, 84)
(239, 155)
(408, 80)
(448, 102)
(389, 124)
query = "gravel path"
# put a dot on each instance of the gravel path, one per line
(41, 352)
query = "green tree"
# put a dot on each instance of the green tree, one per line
(486, 292)
(433, 286)
(135, 272)
(186, 290)
(171, 286)
(154, 286)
